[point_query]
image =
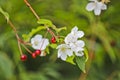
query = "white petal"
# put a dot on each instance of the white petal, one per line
(80, 43)
(104, 7)
(97, 11)
(38, 36)
(75, 29)
(64, 56)
(69, 52)
(59, 53)
(59, 46)
(80, 34)
(90, 6)
(70, 38)
(67, 39)
(44, 43)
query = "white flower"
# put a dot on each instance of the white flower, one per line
(39, 43)
(72, 44)
(77, 47)
(96, 6)
(74, 35)
(64, 51)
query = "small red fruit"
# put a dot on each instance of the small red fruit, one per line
(53, 40)
(23, 57)
(38, 52)
(34, 55)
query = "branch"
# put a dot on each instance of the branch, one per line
(33, 11)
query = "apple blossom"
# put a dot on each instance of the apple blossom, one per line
(39, 43)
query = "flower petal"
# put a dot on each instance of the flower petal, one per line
(80, 43)
(103, 7)
(97, 11)
(64, 56)
(80, 34)
(75, 29)
(69, 52)
(44, 43)
(59, 53)
(70, 38)
(90, 6)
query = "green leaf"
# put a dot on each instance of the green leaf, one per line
(49, 23)
(70, 59)
(47, 50)
(27, 37)
(86, 54)
(45, 22)
(80, 61)
(58, 29)
(5, 14)
(53, 46)
(6, 66)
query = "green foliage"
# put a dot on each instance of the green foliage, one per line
(102, 38)
(80, 61)
(71, 59)
(6, 66)
(48, 23)
(27, 37)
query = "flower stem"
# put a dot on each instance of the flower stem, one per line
(15, 31)
(27, 49)
(36, 15)
(33, 11)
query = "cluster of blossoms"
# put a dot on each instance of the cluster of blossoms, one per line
(96, 6)
(72, 46)
(39, 44)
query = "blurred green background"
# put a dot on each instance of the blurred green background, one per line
(102, 38)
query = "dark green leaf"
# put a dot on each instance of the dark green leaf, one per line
(80, 61)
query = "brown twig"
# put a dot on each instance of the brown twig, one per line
(33, 11)
(15, 31)
(36, 15)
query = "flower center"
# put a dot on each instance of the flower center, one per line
(36, 43)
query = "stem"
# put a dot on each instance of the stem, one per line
(20, 48)
(52, 33)
(36, 15)
(15, 31)
(27, 49)
(33, 11)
